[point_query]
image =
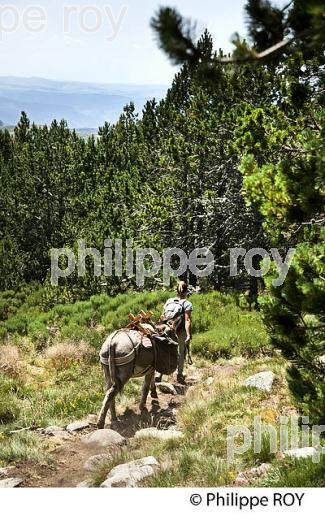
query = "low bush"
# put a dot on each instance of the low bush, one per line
(296, 473)
(10, 361)
(62, 355)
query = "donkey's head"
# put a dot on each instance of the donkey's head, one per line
(168, 329)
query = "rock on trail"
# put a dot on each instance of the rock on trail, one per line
(104, 439)
(78, 426)
(10, 482)
(261, 381)
(57, 431)
(131, 473)
(166, 388)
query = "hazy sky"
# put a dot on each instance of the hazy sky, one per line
(106, 41)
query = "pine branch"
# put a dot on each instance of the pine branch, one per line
(176, 36)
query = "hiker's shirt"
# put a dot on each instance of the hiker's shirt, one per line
(186, 304)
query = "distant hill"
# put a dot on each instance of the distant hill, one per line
(82, 105)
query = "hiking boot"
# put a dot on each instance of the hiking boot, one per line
(181, 379)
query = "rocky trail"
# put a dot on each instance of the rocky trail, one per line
(77, 447)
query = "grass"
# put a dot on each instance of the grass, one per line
(23, 446)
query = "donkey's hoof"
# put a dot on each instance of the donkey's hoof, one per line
(154, 395)
(101, 425)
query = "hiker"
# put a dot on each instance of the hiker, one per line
(178, 310)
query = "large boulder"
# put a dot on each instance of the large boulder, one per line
(104, 439)
(154, 433)
(262, 381)
(131, 473)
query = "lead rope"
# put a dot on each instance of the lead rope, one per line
(135, 348)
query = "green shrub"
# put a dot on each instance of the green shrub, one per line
(224, 330)
(39, 334)
(3, 332)
(296, 473)
(77, 334)
(17, 324)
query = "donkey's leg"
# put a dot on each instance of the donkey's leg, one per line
(123, 375)
(109, 384)
(110, 395)
(145, 390)
(113, 409)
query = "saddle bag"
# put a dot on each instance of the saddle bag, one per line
(166, 355)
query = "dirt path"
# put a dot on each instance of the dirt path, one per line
(69, 456)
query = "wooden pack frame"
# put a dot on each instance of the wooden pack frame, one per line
(136, 321)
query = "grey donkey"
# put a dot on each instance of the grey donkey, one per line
(121, 361)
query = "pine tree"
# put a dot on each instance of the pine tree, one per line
(282, 144)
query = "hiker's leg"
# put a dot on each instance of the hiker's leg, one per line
(182, 352)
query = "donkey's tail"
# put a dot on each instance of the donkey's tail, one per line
(112, 365)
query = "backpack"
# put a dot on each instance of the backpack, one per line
(173, 310)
